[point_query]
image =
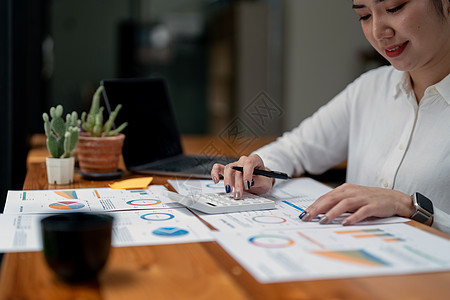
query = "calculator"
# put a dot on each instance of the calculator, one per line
(222, 203)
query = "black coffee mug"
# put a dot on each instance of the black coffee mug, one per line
(77, 245)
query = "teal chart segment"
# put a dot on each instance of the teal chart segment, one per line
(170, 232)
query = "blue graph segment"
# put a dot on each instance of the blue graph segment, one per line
(170, 231)
(215, 186)
(157, 216)
(293, 205)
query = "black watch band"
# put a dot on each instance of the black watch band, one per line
(424, 209)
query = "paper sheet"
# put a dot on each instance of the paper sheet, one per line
(130, 228)
(20, 233)
(310, 254)
(291, 198)
(86, 200)
(293, 188)
(156, 227)
(187, 187)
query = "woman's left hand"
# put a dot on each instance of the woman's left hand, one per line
(362, 201)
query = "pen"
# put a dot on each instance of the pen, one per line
(271, 174)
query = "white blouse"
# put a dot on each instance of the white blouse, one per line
(387, 139)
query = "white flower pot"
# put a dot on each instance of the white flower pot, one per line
(60, 170)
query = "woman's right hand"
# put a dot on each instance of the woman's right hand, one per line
(240, 181)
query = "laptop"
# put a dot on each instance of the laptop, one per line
(152, 144)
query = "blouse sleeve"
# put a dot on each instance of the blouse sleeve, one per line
(317, 144)
(441, 220)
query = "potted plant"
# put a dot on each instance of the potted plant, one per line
(99, 146)
(62, 139)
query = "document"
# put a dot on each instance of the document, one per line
(157, 227)
(293, 188)
(130, 228)
(291, 198)
(20, 233)
(86, 200)
(188, 187)
(329, 252)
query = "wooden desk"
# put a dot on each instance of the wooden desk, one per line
(192, 271)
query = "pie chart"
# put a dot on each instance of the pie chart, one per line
(66, 205)
(157, 216)
(271, 241)
(269, 219)
(143, 202)
(170, 231)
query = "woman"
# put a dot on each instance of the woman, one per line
(392, 125)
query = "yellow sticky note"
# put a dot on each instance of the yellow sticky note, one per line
(133, 183)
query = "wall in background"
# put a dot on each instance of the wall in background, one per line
(85, 43)
(323, 43)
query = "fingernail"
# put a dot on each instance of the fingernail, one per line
(247, 185)
(216, 180)
(228, 189)
(302, 214)
(306, 218)
(346, 223)
(323, 220)
(253, 182)
(237, 195)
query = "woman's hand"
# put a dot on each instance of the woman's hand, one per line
(362, 201)
(240, 181)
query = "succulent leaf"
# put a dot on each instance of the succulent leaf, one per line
(92, 122)
(60, 134)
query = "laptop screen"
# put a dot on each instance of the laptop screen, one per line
(152, 132)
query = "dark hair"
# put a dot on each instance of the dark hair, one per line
(439, 7)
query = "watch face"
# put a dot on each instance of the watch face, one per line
(424, 202)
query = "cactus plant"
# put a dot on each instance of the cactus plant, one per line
(62, 136)
(92, 122)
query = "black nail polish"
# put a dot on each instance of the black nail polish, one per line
(302, 214)
(228, 189)
(253, 182)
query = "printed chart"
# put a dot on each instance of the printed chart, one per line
(154, 227)
(99, 199)
(66, 205)
(130, 228)
(330, 252)
(271, 241)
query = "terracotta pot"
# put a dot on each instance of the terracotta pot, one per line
(99, 154)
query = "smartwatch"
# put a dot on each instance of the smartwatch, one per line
(424, 209)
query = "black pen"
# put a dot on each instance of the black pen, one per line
(271, 174)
